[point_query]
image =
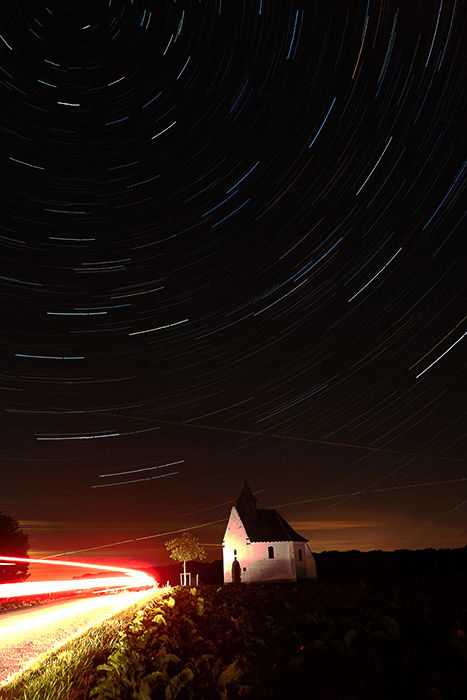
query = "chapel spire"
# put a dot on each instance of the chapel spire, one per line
(246, 502)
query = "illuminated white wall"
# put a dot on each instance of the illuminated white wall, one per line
(254, 560)
(235, 539)
(281, 568)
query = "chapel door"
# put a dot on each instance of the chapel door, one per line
(236, 572)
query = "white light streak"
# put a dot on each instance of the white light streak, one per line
(116, 81)
(6, 42)
(132, 481)
(159, 328)
(361, 47)
(24, 588)
(144, 469)
(323, 123)
(167, 47)
(76, 313)
(368, 492)
(375, 276)
(79, 437)
(163, 131)
(52, 357)
(438, 343)
(30, 165)
(375, 166)
(442, 355)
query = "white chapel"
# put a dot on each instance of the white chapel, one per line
(259, 545)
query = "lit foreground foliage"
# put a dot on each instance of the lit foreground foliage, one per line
(400, 638)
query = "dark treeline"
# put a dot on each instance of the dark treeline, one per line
(338, 566)
(401, 562)
(209, 573)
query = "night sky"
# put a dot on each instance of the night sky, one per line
(231, 245)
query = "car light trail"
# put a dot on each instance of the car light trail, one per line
(129, 578)
(28, 635)
(54, 614)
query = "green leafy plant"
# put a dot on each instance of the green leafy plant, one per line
(405, 637)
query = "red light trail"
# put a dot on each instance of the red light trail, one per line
(131, 579)
(29, 633)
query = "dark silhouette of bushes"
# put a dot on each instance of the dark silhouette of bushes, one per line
(13, 543)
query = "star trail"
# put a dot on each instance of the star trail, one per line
(231, 241)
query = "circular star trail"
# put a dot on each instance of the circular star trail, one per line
(223, 222)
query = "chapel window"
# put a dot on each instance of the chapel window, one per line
(271, 552)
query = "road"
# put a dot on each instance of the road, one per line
(26, 634)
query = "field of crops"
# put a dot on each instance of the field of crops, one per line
(400, 638)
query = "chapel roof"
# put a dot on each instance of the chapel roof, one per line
(270, 526)
(263, 524)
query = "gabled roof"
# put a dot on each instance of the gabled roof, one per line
(270, 526)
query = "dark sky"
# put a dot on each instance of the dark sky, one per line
(231, 236)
